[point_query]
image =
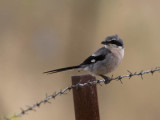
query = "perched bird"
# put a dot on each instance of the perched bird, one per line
(103, 61)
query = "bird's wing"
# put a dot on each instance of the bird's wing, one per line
(99, 55)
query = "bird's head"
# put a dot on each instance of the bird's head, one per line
(113, 41)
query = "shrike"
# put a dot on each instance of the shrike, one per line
(103, 61)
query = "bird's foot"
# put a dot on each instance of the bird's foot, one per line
(106, 78)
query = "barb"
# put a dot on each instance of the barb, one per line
(64, 91)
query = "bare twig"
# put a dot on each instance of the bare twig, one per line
(61, 92)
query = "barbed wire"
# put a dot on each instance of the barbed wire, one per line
(64, 91)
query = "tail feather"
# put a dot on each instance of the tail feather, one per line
(62, 69)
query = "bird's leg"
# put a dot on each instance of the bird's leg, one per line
(106, 78)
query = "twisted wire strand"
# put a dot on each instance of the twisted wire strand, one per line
(64, 91)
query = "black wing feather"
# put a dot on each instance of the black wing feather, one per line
(90, 59)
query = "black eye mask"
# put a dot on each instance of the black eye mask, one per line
(116, 43)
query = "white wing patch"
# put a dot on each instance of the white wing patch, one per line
(93, 60)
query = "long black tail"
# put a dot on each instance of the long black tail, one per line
(62, 69)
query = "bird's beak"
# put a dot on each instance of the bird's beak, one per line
(103, 42)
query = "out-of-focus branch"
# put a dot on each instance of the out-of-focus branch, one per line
(64, 91)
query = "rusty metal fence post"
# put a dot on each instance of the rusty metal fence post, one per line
(85, 99)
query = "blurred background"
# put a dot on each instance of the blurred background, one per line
(40, 35)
